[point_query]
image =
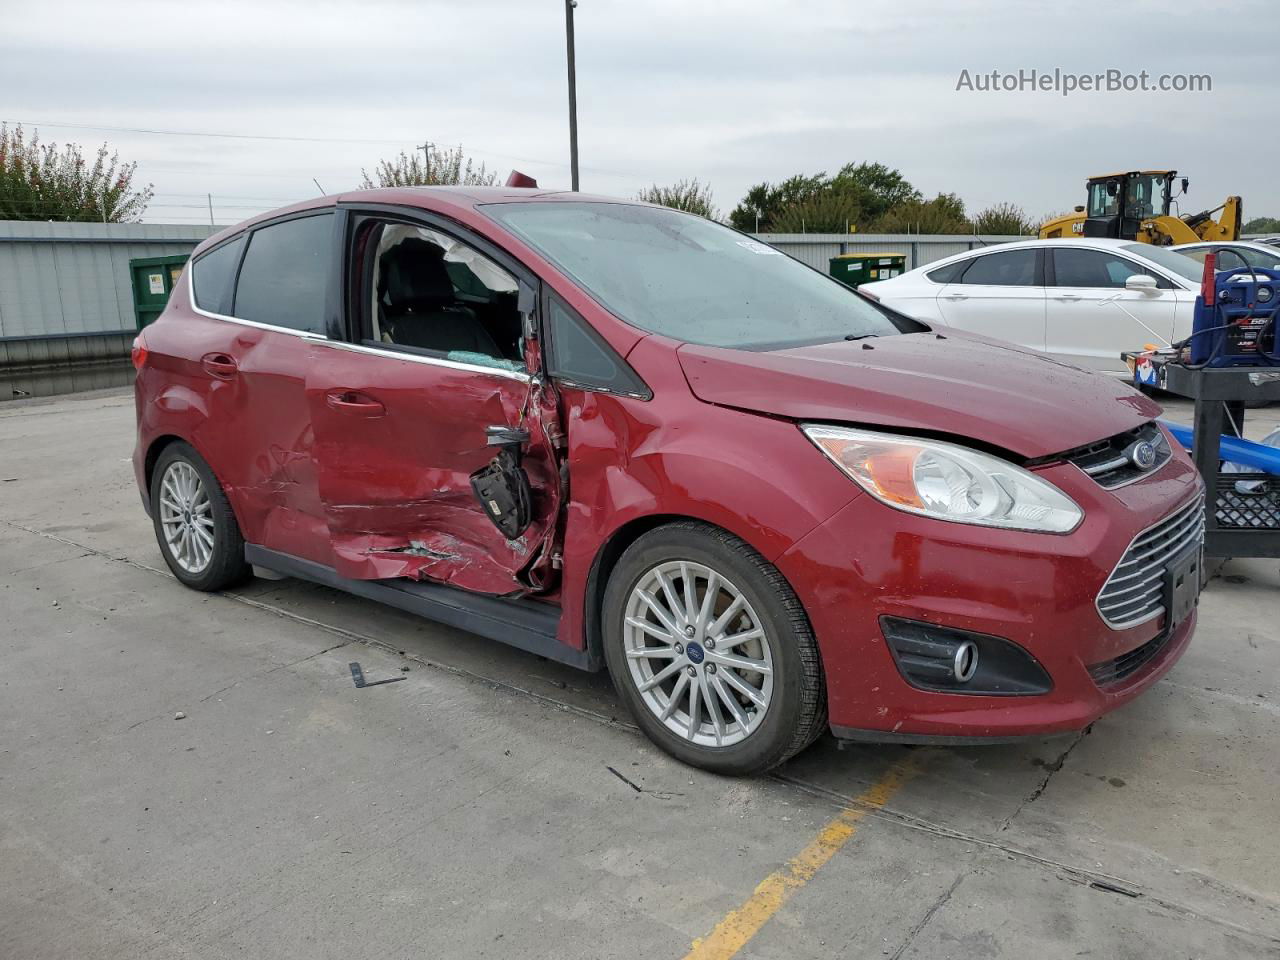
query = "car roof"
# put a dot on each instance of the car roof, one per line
(1104, 243)
(1199, 244)
(1094, 243)
(443, 199)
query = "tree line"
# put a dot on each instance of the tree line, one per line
(44, 182)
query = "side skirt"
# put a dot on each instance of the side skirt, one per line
(525, 624)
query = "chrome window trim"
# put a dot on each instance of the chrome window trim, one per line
(344, 345)
(191, 297)
(429, 361)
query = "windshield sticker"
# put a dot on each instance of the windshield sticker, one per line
(757, 247)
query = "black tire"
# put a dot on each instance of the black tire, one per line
(226, 566)
(797, 712)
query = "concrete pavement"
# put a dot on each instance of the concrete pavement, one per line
(492, 804)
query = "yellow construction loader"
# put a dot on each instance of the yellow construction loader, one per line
(1135, 206)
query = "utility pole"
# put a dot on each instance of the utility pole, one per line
(573, 94)
(426, 152)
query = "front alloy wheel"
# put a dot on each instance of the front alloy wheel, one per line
(698, 654)
(711, 650)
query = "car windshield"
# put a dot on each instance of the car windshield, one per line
(690, 279)
(1171, 260)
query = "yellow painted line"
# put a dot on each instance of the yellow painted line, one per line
(738, 927)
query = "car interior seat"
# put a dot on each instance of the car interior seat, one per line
(419, 306)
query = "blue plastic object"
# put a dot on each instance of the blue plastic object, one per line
(1233, 449)
(1238, 329)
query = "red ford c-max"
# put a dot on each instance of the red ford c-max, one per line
(619, 435)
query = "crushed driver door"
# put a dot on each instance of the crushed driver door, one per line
(397, 440)
(436, 461)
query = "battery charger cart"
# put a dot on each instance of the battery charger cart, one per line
(1242, 510)
(1231, 361)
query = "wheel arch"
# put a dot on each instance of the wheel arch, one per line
(162, 442)
(606, 559)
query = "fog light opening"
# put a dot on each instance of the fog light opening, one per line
(965, 662)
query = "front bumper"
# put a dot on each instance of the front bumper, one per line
(1035, 590)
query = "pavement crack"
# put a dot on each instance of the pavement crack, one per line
(280, 666)
(934, 907)
(1066, 871)
(1050, 770)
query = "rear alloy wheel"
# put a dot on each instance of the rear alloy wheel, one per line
(194, 523)
(711, 650)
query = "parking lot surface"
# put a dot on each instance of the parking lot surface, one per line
(190, 775)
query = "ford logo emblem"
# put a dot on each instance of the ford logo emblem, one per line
(1142, 455)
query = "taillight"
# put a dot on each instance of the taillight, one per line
(139, 353)
(1208, 281)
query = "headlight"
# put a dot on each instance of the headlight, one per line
(946, 481)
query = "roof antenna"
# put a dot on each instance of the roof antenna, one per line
(318, 187)
(518, 179)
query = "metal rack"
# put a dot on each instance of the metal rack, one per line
(1242, 510)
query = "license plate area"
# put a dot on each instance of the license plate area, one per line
(1182, 580)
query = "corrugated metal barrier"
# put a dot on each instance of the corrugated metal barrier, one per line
(66, 305)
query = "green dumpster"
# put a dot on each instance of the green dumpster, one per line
(153, 278)
(856, 269)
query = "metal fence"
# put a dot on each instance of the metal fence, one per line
(66, 300)
(817, 249)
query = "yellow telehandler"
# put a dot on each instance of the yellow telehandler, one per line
(1135, 206)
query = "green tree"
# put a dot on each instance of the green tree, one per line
(828, 212)
(1005, 220)
(765, 201)
(872, 189)
(1262, 225)
(943, 214)
(876, 188)
(41, 182)
(688, 195)
(437, 166)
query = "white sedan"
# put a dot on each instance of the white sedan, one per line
(1234, 254)
(1082, 300)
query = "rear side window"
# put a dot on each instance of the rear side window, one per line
(212, 275)
(1095, 268)
(949, 273)
(1013, 268)
(285, 274)
(580, 357)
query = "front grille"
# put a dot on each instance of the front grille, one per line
(1111, 672)
(1134, 593)
(1108, 463)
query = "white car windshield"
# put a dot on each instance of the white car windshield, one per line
(1171, 260)
(691, 279)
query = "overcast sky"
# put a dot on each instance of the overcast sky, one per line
(732, 93)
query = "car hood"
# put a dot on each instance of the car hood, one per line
(956, 384)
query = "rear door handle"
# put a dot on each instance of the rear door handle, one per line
(219, 365)
(956, 296)
(355, 403)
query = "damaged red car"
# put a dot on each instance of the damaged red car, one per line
(622, 436)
